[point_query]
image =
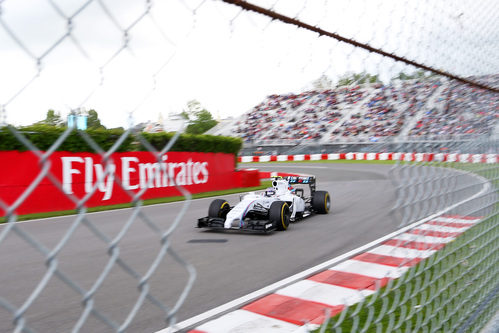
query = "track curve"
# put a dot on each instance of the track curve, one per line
(229, 265)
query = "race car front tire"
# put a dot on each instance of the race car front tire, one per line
(321, 202)
(218, 208)
(279, 215)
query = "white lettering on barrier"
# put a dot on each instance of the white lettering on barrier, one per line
(246, 158)
(265, 158)
(181, 178)
(383, 156)
(89, 174)
(359, 156)
(148, 172)
(68, 172)
(150, 175)
(102, 185)
(419, 157)
(396, 156)
(316, 157)
(452, 158)
(105, 186)
(371, 156)
(126, 170)
(349, 156)
(200, 168)
(282, 158)
(491, 158)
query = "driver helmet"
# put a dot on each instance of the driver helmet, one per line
(280, 186)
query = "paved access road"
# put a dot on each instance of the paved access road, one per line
(229, 265)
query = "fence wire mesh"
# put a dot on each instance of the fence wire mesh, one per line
(455, 288)
(369, 76)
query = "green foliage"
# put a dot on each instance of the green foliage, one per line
(202, 123)
(200, 119)
(43, 137)
(357, 78)
(192, 142)
(93, 121)
(322, 83)
(416, 75)
(52, 119)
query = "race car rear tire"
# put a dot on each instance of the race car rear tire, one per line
(219, 208)
(279, 215)
(321, 202)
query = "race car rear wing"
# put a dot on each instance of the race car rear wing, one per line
(310, 180)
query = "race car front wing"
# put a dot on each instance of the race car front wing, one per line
(246, 225)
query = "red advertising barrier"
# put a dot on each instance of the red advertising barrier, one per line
(115, 182)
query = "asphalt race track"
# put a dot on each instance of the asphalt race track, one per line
(229, 265)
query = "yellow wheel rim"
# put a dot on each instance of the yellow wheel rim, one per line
(282, 216)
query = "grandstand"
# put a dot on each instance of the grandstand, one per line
(431, 107)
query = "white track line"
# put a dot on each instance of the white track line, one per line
(401, 252)
(378, 271)
(246, 321)
(324, 293)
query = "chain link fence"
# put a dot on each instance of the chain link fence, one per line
(455, 289)
(135, 61)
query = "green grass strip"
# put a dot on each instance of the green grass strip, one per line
(147, 202)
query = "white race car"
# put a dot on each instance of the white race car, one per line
(271, 210)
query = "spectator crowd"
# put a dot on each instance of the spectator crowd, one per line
(422, 107)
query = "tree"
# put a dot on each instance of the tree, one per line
(200, 120)
(93, 121)
(322, 83)
(52, 119)
(416, 75)
(357, 78)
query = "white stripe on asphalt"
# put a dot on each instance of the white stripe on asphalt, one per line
(377, 271)
(456, 220)
(401, 252)
(323, 293)
(422, 238)
(431, 227)
(246, 321)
